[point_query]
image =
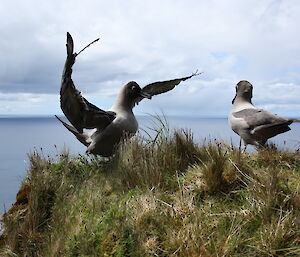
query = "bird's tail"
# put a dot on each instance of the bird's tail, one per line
(81, 137)
(296, 120)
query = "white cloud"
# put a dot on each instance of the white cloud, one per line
(148, 41)
(28, 103)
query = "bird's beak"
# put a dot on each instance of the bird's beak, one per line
(145, 95)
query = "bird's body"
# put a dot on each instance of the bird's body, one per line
(255, 126)
(104, 141)
(108, 127)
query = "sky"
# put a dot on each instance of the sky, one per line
(148, 41)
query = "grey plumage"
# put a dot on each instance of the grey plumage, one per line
(160, 87)
(255, 126)
(109, 127)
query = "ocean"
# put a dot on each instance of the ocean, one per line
(21, 135)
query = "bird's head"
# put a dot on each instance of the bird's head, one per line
(131, 94)
(133, 90)
(243, 90)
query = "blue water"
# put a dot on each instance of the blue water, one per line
(19, 137)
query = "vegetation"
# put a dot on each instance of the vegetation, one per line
(163, 195)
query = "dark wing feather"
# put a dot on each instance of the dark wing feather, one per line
(259, 117)
(160, 87)
(263, 124)
(81, 113)
(265, 132)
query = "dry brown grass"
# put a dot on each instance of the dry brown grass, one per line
(160, 196)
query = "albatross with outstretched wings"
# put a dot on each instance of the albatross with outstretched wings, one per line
(108, 126)
(255, 126)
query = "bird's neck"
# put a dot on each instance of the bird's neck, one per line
(123, 104)
(241, 103)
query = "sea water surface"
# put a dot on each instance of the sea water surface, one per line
(21, 135)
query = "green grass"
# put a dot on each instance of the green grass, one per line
(163, 195)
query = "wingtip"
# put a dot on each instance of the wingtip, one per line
(70, 44)
(196, 73)
(58, 118)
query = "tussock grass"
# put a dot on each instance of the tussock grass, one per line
(160, 195)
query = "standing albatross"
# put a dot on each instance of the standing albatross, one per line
(255, 126)
(108, 126)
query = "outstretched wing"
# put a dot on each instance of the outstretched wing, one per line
(81, 113)
(160, 87)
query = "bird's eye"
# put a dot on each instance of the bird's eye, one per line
(133, 87)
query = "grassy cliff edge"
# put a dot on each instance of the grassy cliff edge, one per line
(165, 196)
